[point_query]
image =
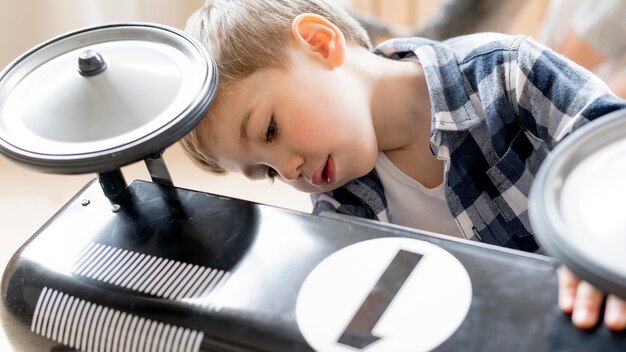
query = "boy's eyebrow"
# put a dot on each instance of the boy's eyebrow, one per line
(243, 129)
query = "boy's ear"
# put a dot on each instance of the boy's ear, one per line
(319, 35)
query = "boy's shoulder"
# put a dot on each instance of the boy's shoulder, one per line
(485, 42)
(462, 47)
(483, 39)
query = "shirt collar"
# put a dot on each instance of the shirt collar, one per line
(450, 103)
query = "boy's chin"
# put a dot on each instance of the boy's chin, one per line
(327, 187)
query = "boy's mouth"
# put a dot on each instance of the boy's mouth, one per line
(325, 174)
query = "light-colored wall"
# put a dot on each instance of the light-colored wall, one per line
(520, 16)
(399, 12)
(26, 23)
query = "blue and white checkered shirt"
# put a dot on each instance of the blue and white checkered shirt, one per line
(499, 105)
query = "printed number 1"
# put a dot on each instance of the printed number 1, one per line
(358, 333)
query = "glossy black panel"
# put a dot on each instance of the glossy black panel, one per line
(225, 274)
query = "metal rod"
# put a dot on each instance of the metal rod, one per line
(158, 170)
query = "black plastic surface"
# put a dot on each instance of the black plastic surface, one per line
(514, 304)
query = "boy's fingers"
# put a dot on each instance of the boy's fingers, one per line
(615, 313)
(568, 283)
(587, 305)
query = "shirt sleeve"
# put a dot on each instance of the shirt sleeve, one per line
(363, 197)
(552, 95)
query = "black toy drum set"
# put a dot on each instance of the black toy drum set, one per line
(152, 267)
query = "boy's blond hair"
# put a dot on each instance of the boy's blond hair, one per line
(244, 36)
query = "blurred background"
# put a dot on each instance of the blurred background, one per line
(28, 198)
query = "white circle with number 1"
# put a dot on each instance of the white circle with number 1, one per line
(386, 294)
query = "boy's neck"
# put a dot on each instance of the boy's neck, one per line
(401, 115)
(398, 96)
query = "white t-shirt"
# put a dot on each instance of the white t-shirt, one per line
(413, 205)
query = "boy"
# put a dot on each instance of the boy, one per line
(458, 128)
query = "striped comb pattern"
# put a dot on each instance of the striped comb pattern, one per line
(90, 327)
(148, 274)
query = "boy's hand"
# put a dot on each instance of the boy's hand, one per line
(584, 302)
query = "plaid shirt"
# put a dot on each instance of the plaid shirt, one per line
(499, 105)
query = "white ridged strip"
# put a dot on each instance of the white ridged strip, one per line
(92, 258)
(98, 261)
(74, 314)
(53, 307)
(163, 339)
(84, 256)
(165, 280)
(109, 261)
(214, 282)
(46, 309)
(65, 322)
(94, 330)
(191, 341)
(36, 323)
(189, 281)
(150, 277)
(55, 316)
(204, 272)
(198, 341)
(150, 337)
(206, 282)
(114, 326)
(141, 261)
(143, 331)
(123, 336)
(142, 274)
(81, 254)
(160, 272)
(85, 330)
(170, 339)
(177, 343)
(157, 335)
(179, 277)
(121, 324)
(90, 327)
(127, 268)
(132, 329)
(149, 274)
(105, 329)
(184, 339)
(109, 274)
(80, 318)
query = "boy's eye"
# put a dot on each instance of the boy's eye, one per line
(272, 131)
(271, 173)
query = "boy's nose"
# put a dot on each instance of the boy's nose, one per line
(290, 174)
(290, 168)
